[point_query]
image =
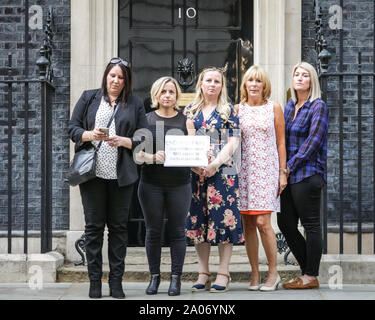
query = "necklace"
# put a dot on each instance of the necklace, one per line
(112, 99)
(299, 106)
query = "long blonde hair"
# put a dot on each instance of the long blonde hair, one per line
(158, 85)
(223, 106)
(315, 92)
(256, 72)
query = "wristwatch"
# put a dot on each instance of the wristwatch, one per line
(286, 171)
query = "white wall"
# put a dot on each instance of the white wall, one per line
(277, 41)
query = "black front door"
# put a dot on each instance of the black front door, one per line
(155, 34)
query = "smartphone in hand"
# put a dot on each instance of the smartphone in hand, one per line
(105, 131)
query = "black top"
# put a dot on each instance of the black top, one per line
(157, 174)
(128, 119)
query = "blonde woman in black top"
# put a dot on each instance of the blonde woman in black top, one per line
(164, 189)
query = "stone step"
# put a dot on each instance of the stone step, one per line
(136, 267)
(137, 255)
(238, 273)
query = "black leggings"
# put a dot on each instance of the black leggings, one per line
(175, 201)
(105, 203)
(302, 201)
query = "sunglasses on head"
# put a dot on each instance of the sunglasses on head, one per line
(119, 60)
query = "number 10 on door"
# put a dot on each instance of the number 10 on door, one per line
(191, 13)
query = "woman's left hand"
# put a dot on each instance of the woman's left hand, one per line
(210, 170)
(116, 141)
(283, 182)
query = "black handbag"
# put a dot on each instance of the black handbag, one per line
(82, 166)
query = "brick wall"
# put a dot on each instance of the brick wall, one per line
(358, 34)
(12, 39)
(358, 28)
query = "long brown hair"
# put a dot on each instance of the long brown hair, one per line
(128, 80)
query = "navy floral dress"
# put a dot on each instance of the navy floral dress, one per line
(214, 215)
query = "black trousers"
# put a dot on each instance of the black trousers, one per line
(175, 201)
(105, 203)
(302, 201)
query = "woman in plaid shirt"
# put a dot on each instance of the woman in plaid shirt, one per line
(306, 125)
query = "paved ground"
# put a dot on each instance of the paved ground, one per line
(135, 291)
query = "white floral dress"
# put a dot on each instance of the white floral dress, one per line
(259, 174)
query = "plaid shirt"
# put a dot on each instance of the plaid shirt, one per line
(306, 140)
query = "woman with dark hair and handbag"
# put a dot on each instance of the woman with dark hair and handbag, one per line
(108, 118)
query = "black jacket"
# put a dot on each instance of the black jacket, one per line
(128, 119)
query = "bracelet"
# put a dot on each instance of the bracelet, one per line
(89, 135)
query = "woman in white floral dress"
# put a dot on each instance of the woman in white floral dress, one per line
(262, 178)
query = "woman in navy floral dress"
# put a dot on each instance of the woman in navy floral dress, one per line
(214, 217)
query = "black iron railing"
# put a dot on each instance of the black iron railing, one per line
(322, 64)
(43, 84)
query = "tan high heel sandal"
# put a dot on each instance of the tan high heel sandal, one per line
(202, 286)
